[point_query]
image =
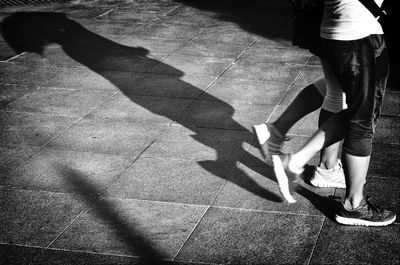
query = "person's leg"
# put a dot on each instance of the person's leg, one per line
(270, 136)
(356, 64)
(307, 101)
(329, 171)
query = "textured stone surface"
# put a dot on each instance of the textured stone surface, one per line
(172, 180)
(138, 228)
(129, 139)
(35, 218)
(46, 170)
(229, 236)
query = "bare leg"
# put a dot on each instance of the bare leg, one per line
(355, 168)
(307, 101)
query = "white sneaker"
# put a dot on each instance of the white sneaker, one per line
(284, 175)
(329, 178)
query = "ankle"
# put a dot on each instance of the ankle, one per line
(352, 203)
(327, 165)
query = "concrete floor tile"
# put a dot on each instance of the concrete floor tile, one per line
(200, 48)
(219, 114)
(80, 11)
(126, 16)
(387, 130)
(228, 236)
(108, 137)
(31, 129)
(309, 74)
(340, 244)
(162, 30)
(391, 104)
(130, 227)
(265, 40)
(180, 65)
(61, 102)
(168, 86)
(111, 29)
(171, 180)
(144, 109)
(200, 144)
(53, 56)
(188, 17)
(256, 188)
(156, 47)
(272, 54)
(64, 257)
(86, 79)
(12, 156)
(18, 255)
(35, 218)
(230, 90)
(263, 71)
(22, 74)
(10, 93)
(226, 34)
(384, 160)
(46, 170)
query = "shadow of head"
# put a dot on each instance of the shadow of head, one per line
(33, 31)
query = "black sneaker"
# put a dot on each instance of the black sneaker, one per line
(365, 214)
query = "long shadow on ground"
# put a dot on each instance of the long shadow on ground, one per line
(32, 31)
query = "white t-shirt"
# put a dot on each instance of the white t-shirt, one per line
(348, 20)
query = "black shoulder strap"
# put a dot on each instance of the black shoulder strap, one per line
(372, 7)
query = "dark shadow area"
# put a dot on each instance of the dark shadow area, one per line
(328, 206)
(32, 31)
(136, 243)
(271, 19)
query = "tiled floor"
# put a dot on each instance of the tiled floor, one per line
(129, 140)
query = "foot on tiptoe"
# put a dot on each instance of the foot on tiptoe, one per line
(285, 173)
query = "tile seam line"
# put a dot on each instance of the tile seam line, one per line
(98, 195)
(207, 209)
(67, 226)
(160, 60)
(112, 254)
(61, 133)
(150, 22)
(316, 242)
(216, 78)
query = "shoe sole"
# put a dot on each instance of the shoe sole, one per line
(354, 221)
(326, 184)
(282, 179)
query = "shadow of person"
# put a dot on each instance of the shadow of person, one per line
(126, 230)
(32, 31)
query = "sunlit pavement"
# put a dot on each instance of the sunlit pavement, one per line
(128, 140)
